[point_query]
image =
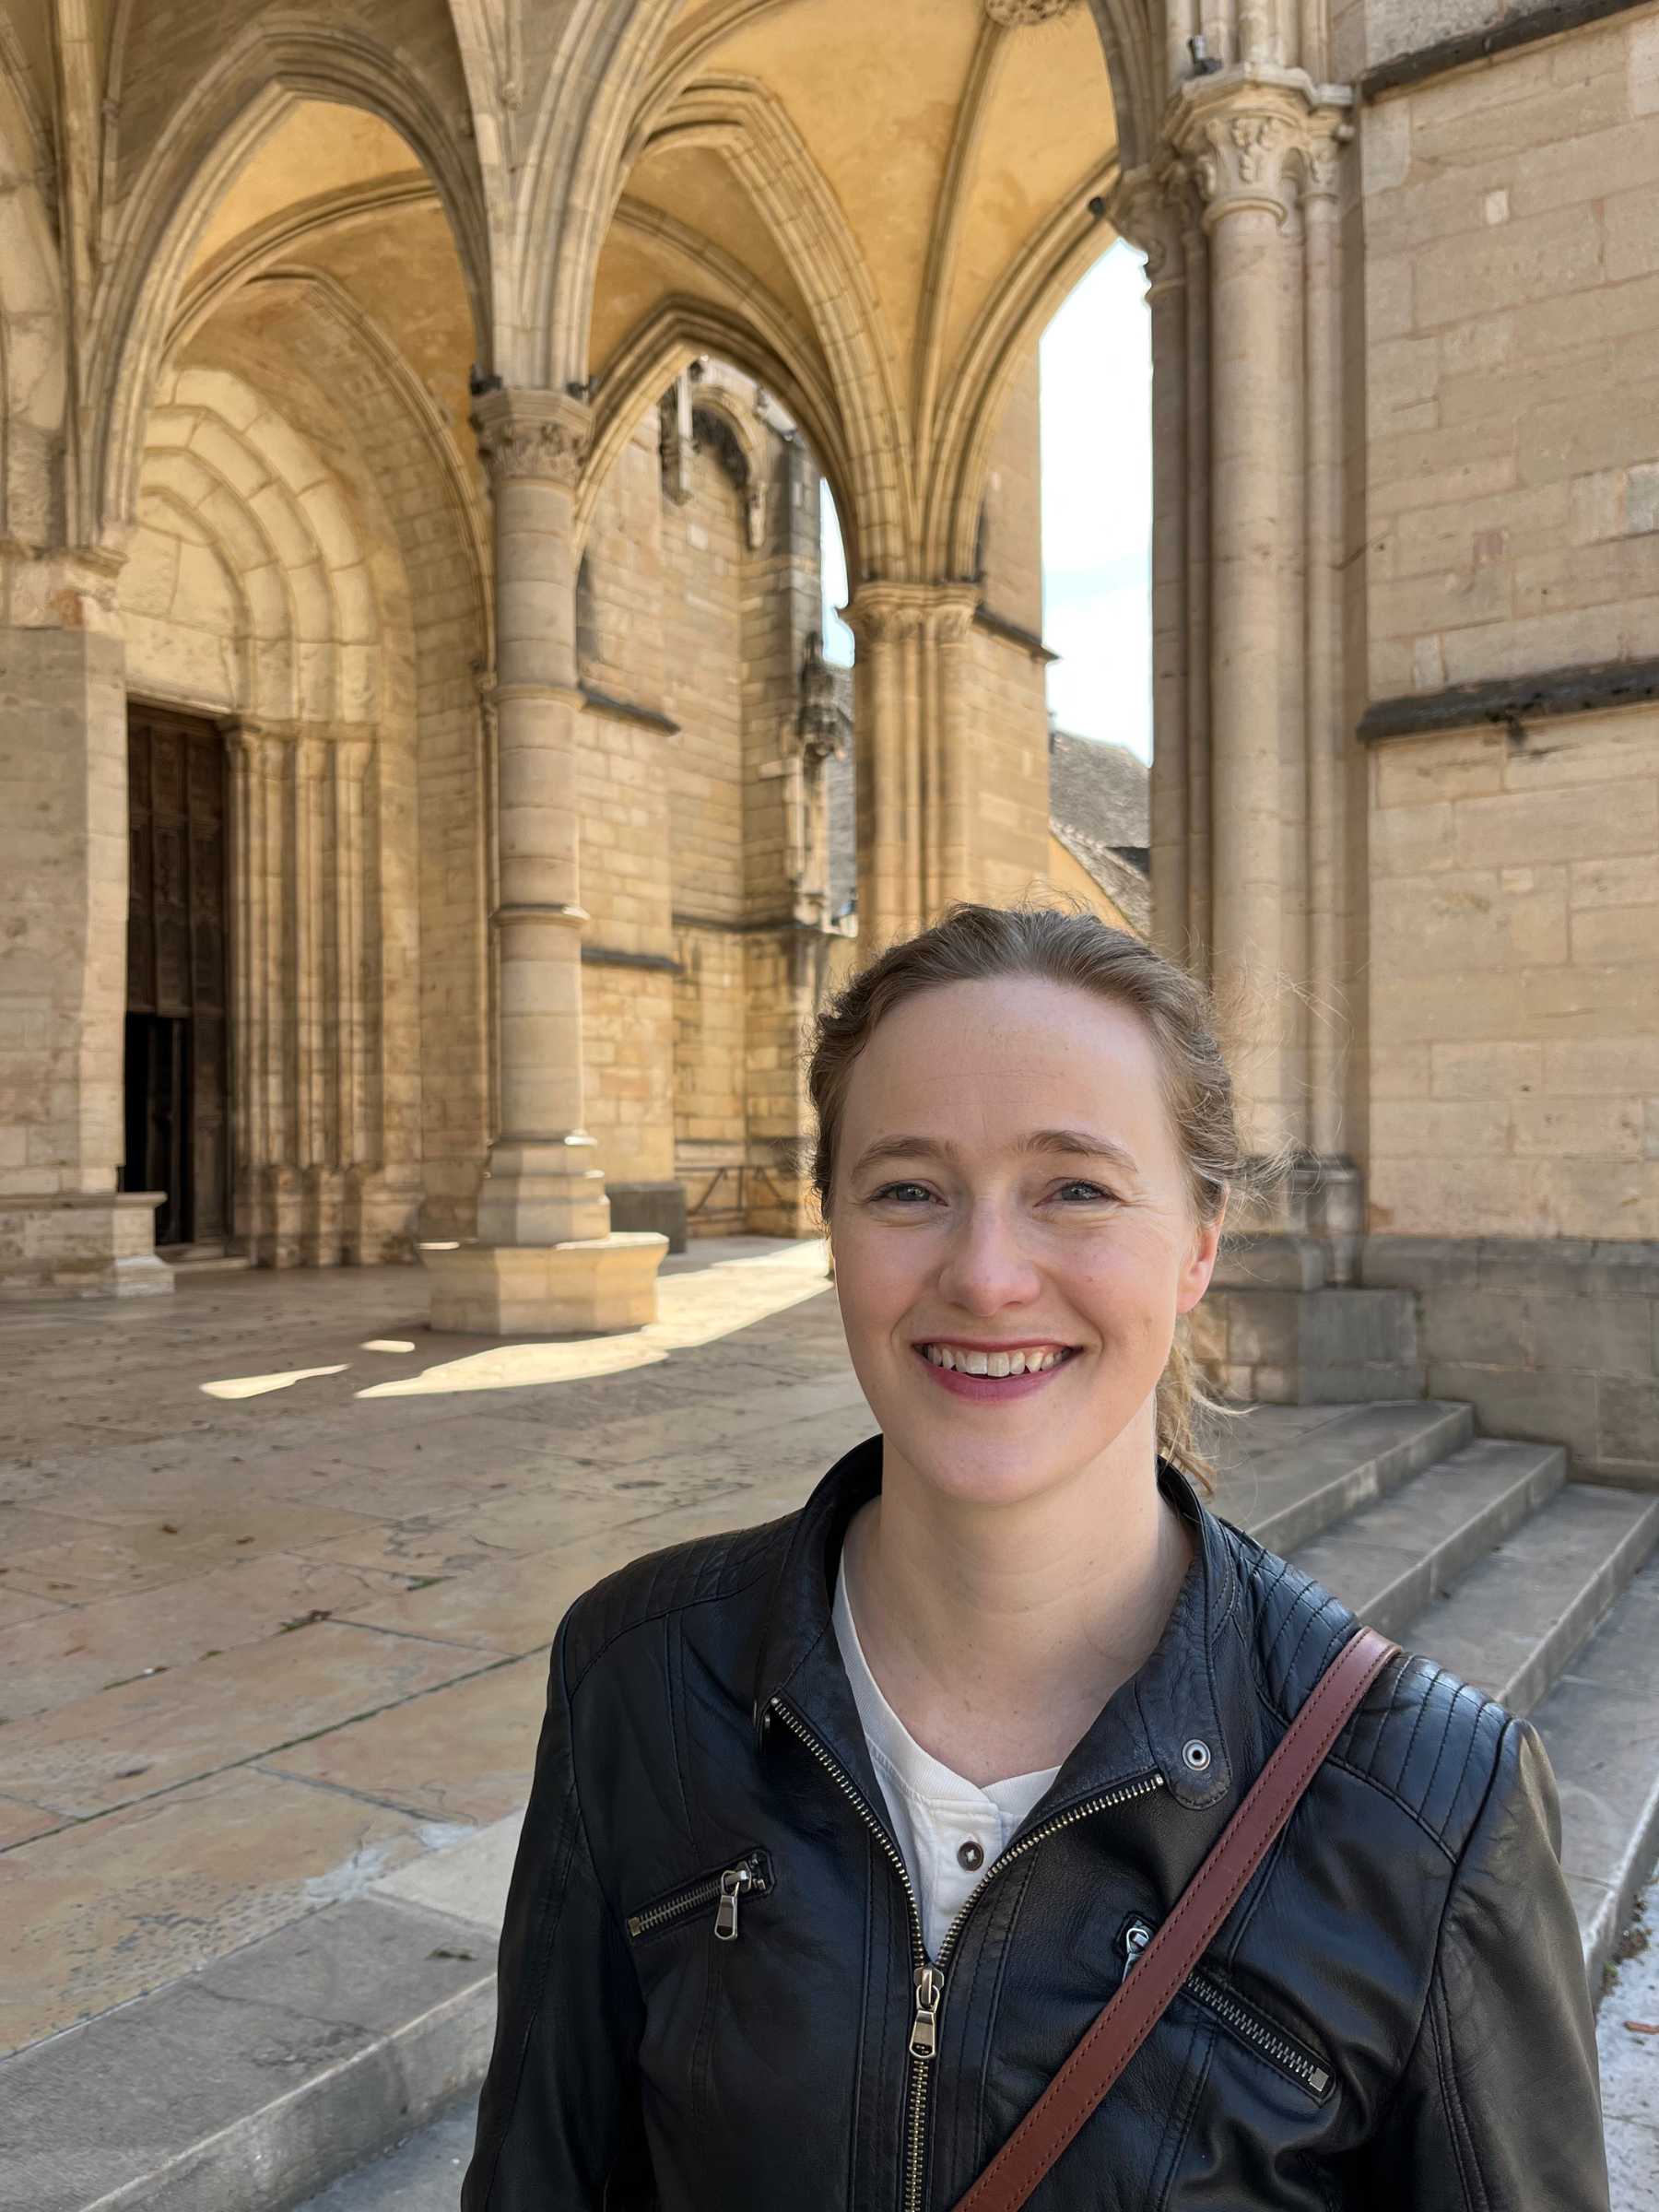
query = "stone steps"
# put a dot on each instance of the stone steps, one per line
(1543, 1592)
(1287, 1494)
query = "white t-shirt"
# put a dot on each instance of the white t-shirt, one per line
(937, 1813)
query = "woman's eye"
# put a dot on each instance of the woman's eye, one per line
(896, 1191)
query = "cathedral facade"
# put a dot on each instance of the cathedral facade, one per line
(429, 818)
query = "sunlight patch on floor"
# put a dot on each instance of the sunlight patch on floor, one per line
(256, 1386)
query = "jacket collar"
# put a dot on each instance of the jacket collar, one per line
(1172, 1704)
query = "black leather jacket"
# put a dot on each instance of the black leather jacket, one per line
(708, 1976)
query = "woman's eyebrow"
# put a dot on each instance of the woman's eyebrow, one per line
(1077, 1143)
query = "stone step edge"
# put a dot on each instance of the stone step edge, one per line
(1571, 1630)
(1446, 1425)
(297, 1995)
(1397, 1608)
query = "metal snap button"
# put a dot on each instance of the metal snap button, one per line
(1197, 1755)
(971, 1854)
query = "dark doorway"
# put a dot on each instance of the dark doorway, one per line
(177, 1119)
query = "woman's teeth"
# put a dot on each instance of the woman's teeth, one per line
(1031, 1363)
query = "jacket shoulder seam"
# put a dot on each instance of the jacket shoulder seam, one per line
(662, 1612)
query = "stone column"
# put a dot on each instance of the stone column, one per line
(1238, 148)
(1148, 213)
(1335, 765)
(916, 844)
(545, 1260)
(64, 1227)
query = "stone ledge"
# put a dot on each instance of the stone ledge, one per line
(259, 2079)
(81, 1245)
(1591, 687)
(1523, 30)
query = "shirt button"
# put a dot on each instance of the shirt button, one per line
(971, 1854)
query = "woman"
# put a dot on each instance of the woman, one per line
(843, 1829)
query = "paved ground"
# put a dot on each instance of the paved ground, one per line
(279, 1569)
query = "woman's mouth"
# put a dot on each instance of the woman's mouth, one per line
(994, 1388)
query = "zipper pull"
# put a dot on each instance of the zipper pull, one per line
(1137, 1937)
(733, 1883)
(924, 2029)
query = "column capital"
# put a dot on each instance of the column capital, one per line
(943, 612)
(1255, 137)
(531, 434)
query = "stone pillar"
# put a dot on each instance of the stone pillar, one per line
(64, 1227)
(1238, 149)
(1148, 215)
(545, 1261)
(1335, 765)
(1281, 1321)
(916, 843)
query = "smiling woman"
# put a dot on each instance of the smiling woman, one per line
(1025, 1684)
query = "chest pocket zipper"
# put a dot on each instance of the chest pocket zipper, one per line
(718, 1892)
(1262, 2035)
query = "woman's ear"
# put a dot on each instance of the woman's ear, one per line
(1201, 1261)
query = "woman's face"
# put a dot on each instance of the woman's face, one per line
(1005, 1176)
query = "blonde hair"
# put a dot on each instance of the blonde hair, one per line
(972, 942)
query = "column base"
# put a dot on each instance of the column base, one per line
(589, 1286)
(1288, 1337)
(81, 1245)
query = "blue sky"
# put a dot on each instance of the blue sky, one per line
(1097, 510)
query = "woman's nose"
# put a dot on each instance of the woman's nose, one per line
(986, 1264)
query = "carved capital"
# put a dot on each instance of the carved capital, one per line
(531, 435)
(882, 613)
(1251, 139)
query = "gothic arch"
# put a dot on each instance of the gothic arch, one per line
(574, 164)
(1073, 241)
(748, 125)
(216, 129)
(222, 455)
(674, 335)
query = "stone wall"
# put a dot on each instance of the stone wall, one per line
(1554, 1337)
(1511, 236)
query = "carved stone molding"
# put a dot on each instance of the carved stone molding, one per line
(1016, 14)
(1152, 208)
(881, 613)
(536, 435)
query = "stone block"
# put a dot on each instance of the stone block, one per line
(1627, 1419)
(587, 1285)
(1476, 1328)
(1418, 1263)
(1555, 1406)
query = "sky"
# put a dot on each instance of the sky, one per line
(1097, 510)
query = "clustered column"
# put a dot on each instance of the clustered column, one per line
(1237, 219)
(545, 1259)
(915, 827)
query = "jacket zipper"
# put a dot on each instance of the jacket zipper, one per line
(1244, 2019)
(749, 1877)
(929, 1974)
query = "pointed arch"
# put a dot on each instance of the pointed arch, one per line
(214, 133)
(672, 337)
(1073, 240)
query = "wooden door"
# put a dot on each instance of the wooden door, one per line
(178, 975)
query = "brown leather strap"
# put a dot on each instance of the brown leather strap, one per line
(1141, 1998)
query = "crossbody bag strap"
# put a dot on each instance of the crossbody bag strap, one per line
(1140, 2000)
